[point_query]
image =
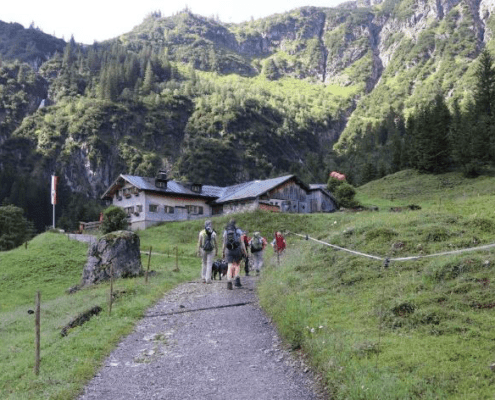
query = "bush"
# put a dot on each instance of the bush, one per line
(114, 219)
(344, 193)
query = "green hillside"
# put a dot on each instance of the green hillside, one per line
(419, 329)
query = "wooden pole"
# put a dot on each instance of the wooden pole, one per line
(148, 268)
(177, 259)
(110, 299)
(37, 334)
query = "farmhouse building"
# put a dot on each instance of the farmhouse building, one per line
(149, 201)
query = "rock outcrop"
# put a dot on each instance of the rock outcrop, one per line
(116, 253)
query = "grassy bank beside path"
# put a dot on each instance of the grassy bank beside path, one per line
(419, 329)
(52, 264)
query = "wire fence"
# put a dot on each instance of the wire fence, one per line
(388, 259)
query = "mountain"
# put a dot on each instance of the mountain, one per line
(31, 45)
(223, 103)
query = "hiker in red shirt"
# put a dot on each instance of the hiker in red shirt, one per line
(279, 243)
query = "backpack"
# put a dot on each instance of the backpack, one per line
(232, 238)
(208, 245)
(256, 245)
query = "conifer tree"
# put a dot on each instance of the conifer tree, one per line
(149, 79)
(484, 108)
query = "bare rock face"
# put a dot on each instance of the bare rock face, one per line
(116, 251)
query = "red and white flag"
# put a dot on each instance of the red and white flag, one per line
(54, 189)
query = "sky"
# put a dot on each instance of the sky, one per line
(98, 20)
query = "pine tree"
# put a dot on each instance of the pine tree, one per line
(484, 109)
(149, 78)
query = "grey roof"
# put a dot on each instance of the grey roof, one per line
(246, 190)
(173, 187)
(315, 186)
(212, 191)
(250, 189)
(144, 183)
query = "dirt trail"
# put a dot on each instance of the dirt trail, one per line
(202, 341)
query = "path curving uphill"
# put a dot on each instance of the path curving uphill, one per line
(202, 341)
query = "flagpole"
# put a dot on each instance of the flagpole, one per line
(54, 195)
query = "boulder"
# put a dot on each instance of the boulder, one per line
(118, 251)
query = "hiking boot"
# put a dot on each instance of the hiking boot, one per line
(238, 282)
(229, 285)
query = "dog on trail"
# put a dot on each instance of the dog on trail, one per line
(219, 267)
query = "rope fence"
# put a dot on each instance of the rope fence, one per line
(387, 259)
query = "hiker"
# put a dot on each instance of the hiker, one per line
(233, 250)
(207, 249)
(257, 244)
(279, 243)
(246, 239)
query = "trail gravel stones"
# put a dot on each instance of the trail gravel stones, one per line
(202, 341)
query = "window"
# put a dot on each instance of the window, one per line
(139, 208)
(196, 188)
(195, 209)
(168, 209)
(153, 208)
(161, 184)
(129, 210)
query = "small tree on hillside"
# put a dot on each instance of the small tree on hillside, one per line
(15, 229)
(114, 219)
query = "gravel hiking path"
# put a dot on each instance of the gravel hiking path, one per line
(202, 341)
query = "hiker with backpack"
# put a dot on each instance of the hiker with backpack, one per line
(207, 250)
(233, 251)
(257, 244)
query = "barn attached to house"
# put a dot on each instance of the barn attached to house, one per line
(149, 201)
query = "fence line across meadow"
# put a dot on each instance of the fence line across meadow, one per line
(387, 260)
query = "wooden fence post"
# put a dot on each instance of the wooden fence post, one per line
(37, 334)
(177, 259)
(110, 299)
(148, 268)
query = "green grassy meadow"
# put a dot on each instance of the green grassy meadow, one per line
(418, 329)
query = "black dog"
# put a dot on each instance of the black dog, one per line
(219, 267)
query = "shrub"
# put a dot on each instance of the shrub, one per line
(344, 194)
(114, 219)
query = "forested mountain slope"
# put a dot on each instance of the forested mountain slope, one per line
(222, 103)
